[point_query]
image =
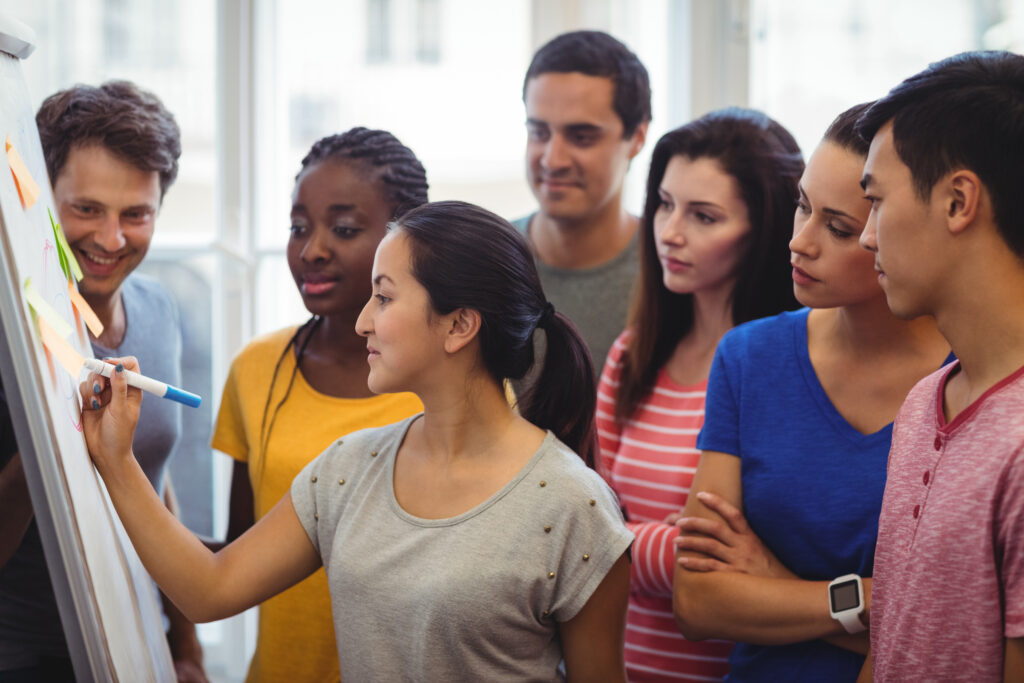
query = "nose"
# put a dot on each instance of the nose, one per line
(316, 249)
(869, 237)
(110, 236)
(671, 230)
(556, 154)
(364, 323)
(803, 241)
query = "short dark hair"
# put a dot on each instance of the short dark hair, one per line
(843, 130)
(131, 123)
(401, 175)
(766, 163)
(468, 257)
(595, 53)
(966, 111)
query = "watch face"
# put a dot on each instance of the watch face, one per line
(844, 596)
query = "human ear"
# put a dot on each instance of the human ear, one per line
(463, 326)
(639, 138)
(963, 199)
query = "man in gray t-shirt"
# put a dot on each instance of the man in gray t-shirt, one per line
(111, 154)
(588, 105)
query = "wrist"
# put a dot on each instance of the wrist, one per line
(118, 471)
(846, 602)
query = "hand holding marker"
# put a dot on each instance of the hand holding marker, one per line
(155, 387)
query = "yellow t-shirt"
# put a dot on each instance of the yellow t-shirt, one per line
(295, 641)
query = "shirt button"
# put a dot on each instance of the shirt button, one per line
(927, 476)
(938, 443)
(917, 511)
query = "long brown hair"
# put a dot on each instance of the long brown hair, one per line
(766, 162)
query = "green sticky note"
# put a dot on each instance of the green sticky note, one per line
(61, 258)
(45, 311)
(70, 263)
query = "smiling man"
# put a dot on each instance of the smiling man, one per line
(111, 153)
(588, 105)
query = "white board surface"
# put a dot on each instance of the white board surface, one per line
(107, 602)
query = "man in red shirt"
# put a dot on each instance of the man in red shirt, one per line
(947, 228)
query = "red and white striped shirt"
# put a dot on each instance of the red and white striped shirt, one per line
(650, 461)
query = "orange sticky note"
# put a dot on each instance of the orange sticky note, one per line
(92, 321)
(28, 191)
(66, 355)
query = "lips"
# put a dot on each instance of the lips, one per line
(371, 353)
(558, 184)
(317, 284)
(98, 264)
(674, 265)
(801, 277)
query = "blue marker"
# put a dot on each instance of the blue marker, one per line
(155, 387)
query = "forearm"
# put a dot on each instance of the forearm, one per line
(181, 565)
(15, 508)
(752, 609)
(653, 556)
(866, 675)
(854, 642)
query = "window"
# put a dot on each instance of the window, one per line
(378, 31)
(811, 60)
(428, 31)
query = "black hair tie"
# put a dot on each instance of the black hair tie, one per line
(547, 315)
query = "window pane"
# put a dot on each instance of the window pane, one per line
(810, 60)
(165, 47)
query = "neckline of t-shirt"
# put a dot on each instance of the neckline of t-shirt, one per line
(626, 254)
(128, 338)
(839, 423)
(664, 378)
(967, 413)
(509, 486)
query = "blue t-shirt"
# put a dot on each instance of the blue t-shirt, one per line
(812, 484)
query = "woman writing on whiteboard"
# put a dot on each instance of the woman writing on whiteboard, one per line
(290, 393)
(469, 542)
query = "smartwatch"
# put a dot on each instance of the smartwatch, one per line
(846, 602)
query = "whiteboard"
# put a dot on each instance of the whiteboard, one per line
(107, 602)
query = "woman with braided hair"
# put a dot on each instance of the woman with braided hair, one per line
(467, 543)
(291, 393)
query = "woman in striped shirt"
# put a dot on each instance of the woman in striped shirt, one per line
(720, 198)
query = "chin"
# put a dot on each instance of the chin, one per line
(380, 385)
(904, 312)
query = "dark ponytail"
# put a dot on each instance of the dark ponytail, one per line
(468, 257)
(564, 397)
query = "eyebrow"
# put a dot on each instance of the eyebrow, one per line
(865, 181)
(333, 208)
(825, 209)
(382, 276)
(583, 128)
(580, 127)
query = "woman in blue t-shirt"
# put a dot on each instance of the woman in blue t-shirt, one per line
(798, 424)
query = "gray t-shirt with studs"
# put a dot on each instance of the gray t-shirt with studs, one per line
(472, 597)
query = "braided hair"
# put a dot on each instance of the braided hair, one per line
(400, 173)
(403, 182)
